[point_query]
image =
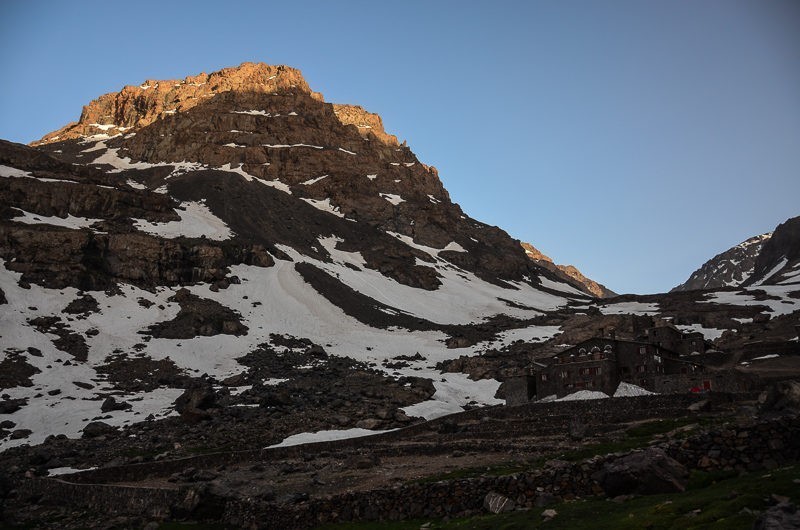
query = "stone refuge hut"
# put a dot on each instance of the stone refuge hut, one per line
(662, 359)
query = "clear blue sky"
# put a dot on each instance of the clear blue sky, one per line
(633, 139)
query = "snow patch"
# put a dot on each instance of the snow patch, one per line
(781, 264)
(324, 205)
(313, 181)
(135, 185)
(196, 221)
(277, 184)
(584, 395)
(453, 391)
(711, 334)
(392, 198)
(76, 223)
(325, 436)
(629, 308)
(629, 390)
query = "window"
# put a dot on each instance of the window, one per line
(642, 350)
(641, 369)
(564, 374)
(544, 377)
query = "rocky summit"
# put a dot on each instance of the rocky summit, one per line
(215, 288)
(771, 258)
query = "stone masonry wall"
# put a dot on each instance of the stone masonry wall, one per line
(764, 445)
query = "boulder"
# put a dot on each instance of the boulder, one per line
(781, 396)
(196, 400)
(782, 516)
(98, 428)
(20, 434)
(10, 406)
(643, 472)
(111, 404)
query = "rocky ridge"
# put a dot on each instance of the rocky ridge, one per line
(779, 259)
(569, 273)
(727, 269)
(768, 259)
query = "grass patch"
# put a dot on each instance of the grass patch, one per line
(712, 501)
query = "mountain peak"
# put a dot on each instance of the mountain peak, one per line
(134, 107)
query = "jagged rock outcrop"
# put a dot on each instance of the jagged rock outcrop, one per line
(135, 107)
(568, 273)
(368, 123)
(779, 259)
(645, 472)
(727, 269)
(769, 259)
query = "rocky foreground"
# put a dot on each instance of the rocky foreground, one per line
(528, 458)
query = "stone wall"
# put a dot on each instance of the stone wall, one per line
(751, 448)
(545, 419)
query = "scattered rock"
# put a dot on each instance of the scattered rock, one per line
(369, 424)
(782, 516)
(198, 317)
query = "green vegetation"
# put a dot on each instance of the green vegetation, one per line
(712, 501)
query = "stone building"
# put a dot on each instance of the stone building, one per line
(661, 359)
(602, 363)
(671, 338)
